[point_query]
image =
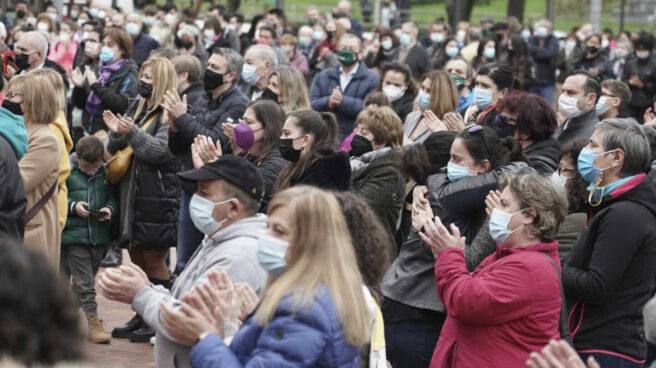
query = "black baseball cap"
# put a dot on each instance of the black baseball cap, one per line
(236, 170)
(500, 27)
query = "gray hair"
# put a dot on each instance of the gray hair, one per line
(235, 61)
(411, 25)
(267, 53)
(626, 134)
(3, 30)
(346, 36)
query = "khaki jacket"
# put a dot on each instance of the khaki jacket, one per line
(40, 169)
(60, 128)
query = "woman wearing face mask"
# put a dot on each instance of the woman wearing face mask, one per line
(411, 304)
(46, 25)
(448, 51)
(593, 59)
(63, 51)
(215, 36)
(620, 55)
(521, 62)
(569, 178)
(437, 97)
(385, 53)
(531, 121)
(295, 57)
(639, 74)
(109, 88)
(288, 89)
(150, 190)
(375, 149)
(327, 49)
(608, 276)
(308, 142)
(399, 88)
(486, 53)
(514, 298)
(493, 82)
(308, 315)
(88, 51)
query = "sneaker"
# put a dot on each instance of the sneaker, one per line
(113, 258)
(143, 334)
(97, 333)
(126, 330)
(152, 341)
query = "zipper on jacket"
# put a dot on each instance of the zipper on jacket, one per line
(161, 183)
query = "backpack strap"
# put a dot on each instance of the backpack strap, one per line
(563, 328)
(39, 205)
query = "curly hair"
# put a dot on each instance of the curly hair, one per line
(577, 187)
(38, 316)
(542, 194)
(535, 116)
(373, 248)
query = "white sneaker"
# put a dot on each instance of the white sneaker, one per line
(152, 341)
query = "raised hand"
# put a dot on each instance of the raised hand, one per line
(454, 121)
(433, 123)
(438, 238)
(492, 201)
(110, 120)
(124, 124)
(175, 106)
(77, 78)
(249, 299)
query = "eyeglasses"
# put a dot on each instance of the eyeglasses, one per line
(563, 170)
(479, 128)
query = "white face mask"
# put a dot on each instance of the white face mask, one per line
(64, 36)
(642, 54)
(43, 27)
(568, 106)
(201, 209)
(393, 92)
(170, 19)
(559, 179)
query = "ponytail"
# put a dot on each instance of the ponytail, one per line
(513, 151)
(332, 128)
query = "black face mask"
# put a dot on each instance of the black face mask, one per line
(20, 14)
(287, 150)
(312, 21)
(212, 80)
(144, 89)
(498, 36)
(182, 44)
(268, 94)
(331, 34)
(360, 145)
(504, 130)
(511, 52)
(21, 61)
(592, 49)
(14, 108)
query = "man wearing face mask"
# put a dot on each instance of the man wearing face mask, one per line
(411, 53)
(544, 50)
(342, 89)
(33, 48)
(188, 70)
(225, 209)
(615, 95)
(462, 74)
(639, 74)
(259, 62)
(143, 44)
(437, 34)
(576, 104)
(223, 101)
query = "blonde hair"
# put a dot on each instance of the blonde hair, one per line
(293, 89)
(57, 83)
(321, 255)
(443, 93)
(384, 124)
(164, 79)
(39, 96)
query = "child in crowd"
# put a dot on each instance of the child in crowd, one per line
(91, 206)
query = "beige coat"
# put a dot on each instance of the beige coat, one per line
(40, 169)
(60, 128)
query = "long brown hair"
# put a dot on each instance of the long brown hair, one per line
(321, 256)
(272, 118)
(323, 129)
(443, 93)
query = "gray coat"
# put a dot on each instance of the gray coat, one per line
(579, 127)
(411, 121)
(232, 249)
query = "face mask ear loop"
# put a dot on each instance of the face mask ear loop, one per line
(591, 196)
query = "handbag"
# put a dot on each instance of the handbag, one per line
(40, 204)
(119, 164)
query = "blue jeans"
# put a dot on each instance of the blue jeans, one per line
(189, 238)
(546, 92)
(611, 361)
(411, 343)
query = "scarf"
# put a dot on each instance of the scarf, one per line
(94, 105)
(359, 163)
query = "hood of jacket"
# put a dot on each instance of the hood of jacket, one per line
(13, 129)
(61, 124)
(250, 227)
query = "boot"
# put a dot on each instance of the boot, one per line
(126, 330)
(97, 333)
(143, 334)
(113, 258)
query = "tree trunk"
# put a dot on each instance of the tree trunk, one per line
(458, 10)
(233, 6)
(516, 8)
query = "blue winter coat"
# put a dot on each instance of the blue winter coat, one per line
(309, 337)
(361, 85)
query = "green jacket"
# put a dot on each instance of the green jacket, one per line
(94, 190)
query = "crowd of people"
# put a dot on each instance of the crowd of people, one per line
(332, 196)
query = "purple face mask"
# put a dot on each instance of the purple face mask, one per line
(244, 136)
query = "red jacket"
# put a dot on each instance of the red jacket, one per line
(497, 315)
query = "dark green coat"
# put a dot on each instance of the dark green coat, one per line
(94, 190)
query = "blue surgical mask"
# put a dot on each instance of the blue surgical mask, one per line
(586, 165)
(200, 210)
(451, 51)
(423, 100)
(107, 55)
(132, 28)
(541, 32)
(387, 45)
(271, 253)
(499, 225)
(526, 34)
(405, 39)
(437, 37)
(317, 36)
(248, 74)
(456, 172)
(601, 107)
(489, 52)
(482, 98)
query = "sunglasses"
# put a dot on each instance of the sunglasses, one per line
(479, 128)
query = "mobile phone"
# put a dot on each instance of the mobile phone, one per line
(96, 213)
